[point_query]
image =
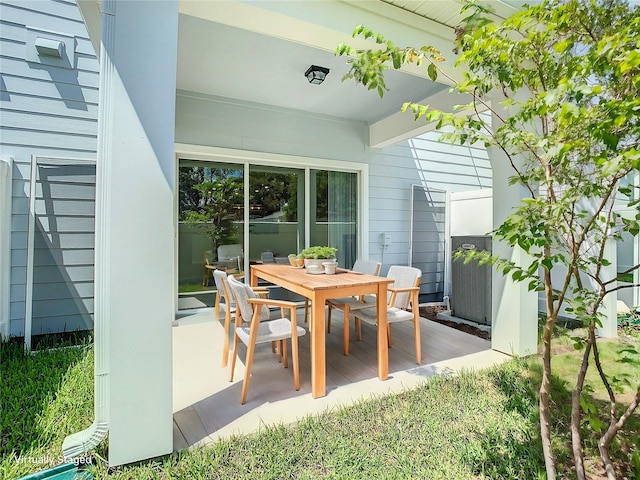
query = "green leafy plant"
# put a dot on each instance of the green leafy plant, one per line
(209, 200)
(562, 83)
(318, 252)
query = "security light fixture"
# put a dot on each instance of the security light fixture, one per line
(316, 74)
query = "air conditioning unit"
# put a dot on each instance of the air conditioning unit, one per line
(470, 282)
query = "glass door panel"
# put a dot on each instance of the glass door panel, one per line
(334, 213)
(211, 211)
(276, 213)
(210, 224)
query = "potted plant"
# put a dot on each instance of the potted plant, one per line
(317, 255)
(296, 260)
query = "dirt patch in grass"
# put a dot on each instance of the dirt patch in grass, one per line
(431, 312)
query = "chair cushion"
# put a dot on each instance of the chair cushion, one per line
(353, 302)
(269, 331)
(370, 316)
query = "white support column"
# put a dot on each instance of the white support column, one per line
(6, 164)
(134, 224)
(514, 329)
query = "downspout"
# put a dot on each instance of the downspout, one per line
(6, 164)
(80, 443)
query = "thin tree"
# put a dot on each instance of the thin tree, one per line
(568, 74)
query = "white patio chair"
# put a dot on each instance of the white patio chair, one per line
(403, 295)
(230, 256)
(207, 266)
(360, 266)
(224, 295)
(267, 257)
(258, 330)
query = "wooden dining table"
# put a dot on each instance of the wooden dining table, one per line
(319, 289)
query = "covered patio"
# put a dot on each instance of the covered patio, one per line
(206, 406)
(228, 88)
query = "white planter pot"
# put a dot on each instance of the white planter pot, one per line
(317, 262)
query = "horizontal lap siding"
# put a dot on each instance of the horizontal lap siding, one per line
(50, 111)
(213, 121)
(420, 161)
(218, 122)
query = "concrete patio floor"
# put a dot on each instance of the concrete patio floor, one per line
(207, 406)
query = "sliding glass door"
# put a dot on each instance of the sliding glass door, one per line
(276, 212)
(233, 214)
(210, 214)
(334, 212)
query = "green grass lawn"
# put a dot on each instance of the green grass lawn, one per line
(473, 426)
(194, 287)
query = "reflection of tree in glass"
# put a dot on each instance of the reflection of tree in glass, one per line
(322, 196)
(188, 197)
(272, 193)
(212, 197)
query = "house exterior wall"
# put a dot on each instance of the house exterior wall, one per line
(425, 161)
(218, 122)
(49, 109)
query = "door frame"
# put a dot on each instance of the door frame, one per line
(247, 158)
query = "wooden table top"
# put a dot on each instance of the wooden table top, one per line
(286, 274)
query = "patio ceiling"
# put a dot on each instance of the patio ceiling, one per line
(258, 51)
(229, 62)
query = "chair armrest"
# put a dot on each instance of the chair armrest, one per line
(270, 302)
(402, 289)
(282, 304)
(396, 290)
(262, 292)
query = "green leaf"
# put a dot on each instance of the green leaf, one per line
(397, 60)
(563, 45)
(432, 71)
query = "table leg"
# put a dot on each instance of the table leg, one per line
(383, 347)
(318, 360)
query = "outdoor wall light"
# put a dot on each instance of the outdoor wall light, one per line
(316, 74)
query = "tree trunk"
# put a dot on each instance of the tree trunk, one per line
(614, 428)
(545, 385)
(576, 437)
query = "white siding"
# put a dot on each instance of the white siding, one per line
(49, 111)
(218, 122)
(423, 160)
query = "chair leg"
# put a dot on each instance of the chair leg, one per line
(278, 345)
(285, 357)
(359, 328)
(306, 310)
(345, 331)
(225, 344)
(216, 307)
(329, 318)
(247, 372)
(294, 357)
(416, 333)
(233, 358)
